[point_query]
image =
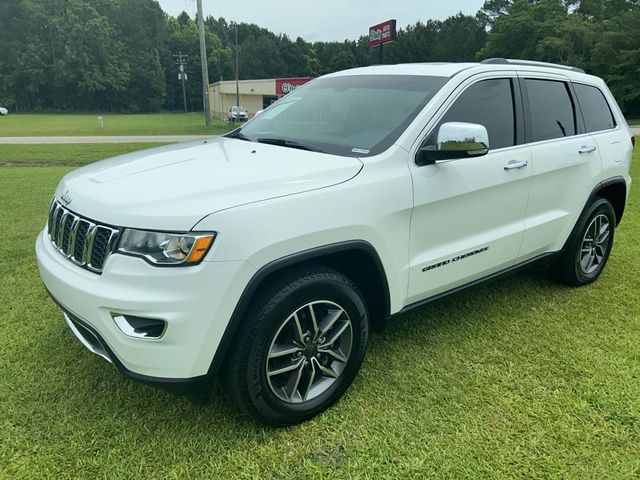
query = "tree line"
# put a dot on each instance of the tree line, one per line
(117, 55)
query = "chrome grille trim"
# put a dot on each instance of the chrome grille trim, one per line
(59, 218)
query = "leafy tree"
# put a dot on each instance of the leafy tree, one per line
(183, 36)
(616, 57)
(118, 54)
(459, 38)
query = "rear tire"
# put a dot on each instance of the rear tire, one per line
(300, 347)
(588, 249)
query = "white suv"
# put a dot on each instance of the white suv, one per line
(267, 255)
(237, 114)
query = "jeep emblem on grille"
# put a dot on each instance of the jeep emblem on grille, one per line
(66, 197)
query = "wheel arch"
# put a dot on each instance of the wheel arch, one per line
(615, 191)
(357, 259)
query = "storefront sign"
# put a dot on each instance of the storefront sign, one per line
(285, 86)
(382, 33)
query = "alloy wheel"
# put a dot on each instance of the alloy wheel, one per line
(594, 244)
(309, 351)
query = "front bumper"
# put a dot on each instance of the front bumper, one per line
(196, 303)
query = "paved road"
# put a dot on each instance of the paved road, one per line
(103, 139)
(128, 139)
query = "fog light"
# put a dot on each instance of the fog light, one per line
(138, 327)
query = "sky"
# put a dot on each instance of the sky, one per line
(326, 20)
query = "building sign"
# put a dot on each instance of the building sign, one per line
(288, 85)
(382, 33)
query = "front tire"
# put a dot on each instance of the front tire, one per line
(588, 249)
(301, 346)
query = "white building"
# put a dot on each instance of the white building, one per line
(255, 95)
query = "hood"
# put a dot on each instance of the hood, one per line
(173, 187)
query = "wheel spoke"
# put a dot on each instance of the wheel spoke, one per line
(314, 322)
(338, 355)
(326, 371)
(604, 236)
(336, 335)
(283, 350)
(296, 321)
(591, 233)
(286, 369)
(597, 257)
(294, 380)
(312, 377)
(330, 320)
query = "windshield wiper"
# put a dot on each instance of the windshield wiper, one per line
(239, 135)
(283, 142)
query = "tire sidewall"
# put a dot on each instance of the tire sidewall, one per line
(274, 315)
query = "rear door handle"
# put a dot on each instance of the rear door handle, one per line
(587, 149)
(513, 164)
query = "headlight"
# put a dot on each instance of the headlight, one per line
(166, 248)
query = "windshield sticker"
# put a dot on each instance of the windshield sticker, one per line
(364, 151)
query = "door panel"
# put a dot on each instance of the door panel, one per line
(468, 216)
(565, 163)
(468, 220)
(561, 182)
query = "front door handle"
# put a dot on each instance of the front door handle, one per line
(587, 149)
(513, 164)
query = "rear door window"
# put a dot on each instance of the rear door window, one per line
(553, 114)
(595, 109)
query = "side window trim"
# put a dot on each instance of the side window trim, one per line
(581, 126)
(519, 112)
(606, 101)
(577, 114)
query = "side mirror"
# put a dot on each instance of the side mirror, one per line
(456, 140)
(258, 113)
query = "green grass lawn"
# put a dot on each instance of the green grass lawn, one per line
(520, 378)
(65, 154)
(40, 125)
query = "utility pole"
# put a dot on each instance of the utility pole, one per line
(205, 68)
(237, 70)
(181, 61)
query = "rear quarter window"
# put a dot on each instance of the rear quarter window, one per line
(595, 109)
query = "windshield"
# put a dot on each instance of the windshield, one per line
(357, 115)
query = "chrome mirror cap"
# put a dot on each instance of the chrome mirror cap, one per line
(456, 140)
(460, 136)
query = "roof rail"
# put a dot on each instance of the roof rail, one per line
(531, 63)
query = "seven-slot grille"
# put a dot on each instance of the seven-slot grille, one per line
(85, 243)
